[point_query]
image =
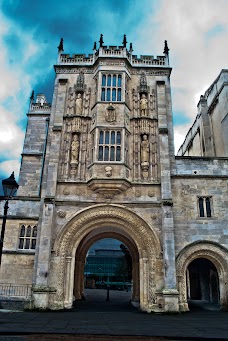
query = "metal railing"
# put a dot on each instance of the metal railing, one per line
(11, 290)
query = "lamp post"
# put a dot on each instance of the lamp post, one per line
(10, 187)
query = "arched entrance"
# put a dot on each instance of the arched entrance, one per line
(108, 264)
(90, 239)
(201, 272)
(202, 283)
(92, 224)
(107, 276)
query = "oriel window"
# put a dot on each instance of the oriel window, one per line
(109, 148)
(111, 88)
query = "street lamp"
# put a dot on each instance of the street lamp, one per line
(10, 187)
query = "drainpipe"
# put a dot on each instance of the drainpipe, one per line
(43, 156)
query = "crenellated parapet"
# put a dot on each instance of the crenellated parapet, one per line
(149, 61)
(40, 105)
(79, 59)
(114, 52)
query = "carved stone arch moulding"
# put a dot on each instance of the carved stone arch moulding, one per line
(214, 252)
(103, 215)
(99, 216)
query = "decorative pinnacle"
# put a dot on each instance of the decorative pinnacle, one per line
(60, 47)
(166, 49)
(101, 41)
(124, 41)
(32, 96)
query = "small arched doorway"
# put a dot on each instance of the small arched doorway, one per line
(99, 276)
(202, 283)
(202, 269)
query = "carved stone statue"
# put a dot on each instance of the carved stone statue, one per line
(78, 104)
(70, 102)
(74, 149)
(108, 171)
(145, 149)
(145, 155)
(143, 105)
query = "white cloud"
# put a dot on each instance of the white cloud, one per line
(7, 167)
(179, 136)
(196, 57)
(15, 87)
(11, 136)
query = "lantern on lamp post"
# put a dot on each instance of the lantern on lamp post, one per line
(10, 187)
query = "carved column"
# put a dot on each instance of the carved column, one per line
(77, 283)
(68, 284)
(82, 279)
(135, 281)
(144, 283)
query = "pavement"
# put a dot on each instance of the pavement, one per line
(96, 318)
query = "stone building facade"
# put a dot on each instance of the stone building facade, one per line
(99, 163)
(208, 134)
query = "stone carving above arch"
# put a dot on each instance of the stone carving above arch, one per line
(205, 249)
(212, 251)
(101, 215)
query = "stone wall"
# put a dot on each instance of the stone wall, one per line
(33, 153)
(17, 268)
(189, 226)
(211, 122)
(202, 166)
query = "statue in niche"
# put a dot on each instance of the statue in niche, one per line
(145, 149)
(145, 155)
(78, 103)
(143, 105)
(70, 102)
(86, 102)
(74, 149)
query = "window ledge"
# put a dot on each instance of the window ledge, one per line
(19, 251)
(108, 187)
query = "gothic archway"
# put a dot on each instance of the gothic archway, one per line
(206, 250)
(118, 220)
(82, 250)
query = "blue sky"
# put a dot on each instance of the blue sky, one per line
(30, 32)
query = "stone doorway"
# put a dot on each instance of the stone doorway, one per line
(202, 269)
(111, 274)
(202, 284)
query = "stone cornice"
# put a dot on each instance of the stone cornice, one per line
(205, 176)
(21, 217)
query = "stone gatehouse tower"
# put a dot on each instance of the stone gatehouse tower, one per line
(99, 162)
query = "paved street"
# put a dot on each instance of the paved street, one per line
(95, 317)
